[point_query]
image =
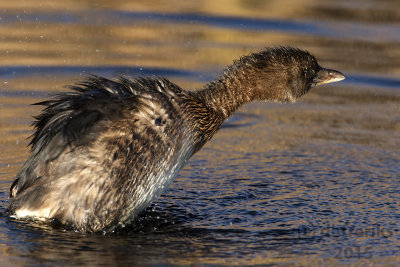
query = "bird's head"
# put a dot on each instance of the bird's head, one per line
(284, 74)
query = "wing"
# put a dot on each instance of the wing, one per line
(79, 117)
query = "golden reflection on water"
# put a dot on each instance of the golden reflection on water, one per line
(140, 45)
(296, 148)
(173, 44)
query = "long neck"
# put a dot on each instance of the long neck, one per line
(226, 94)
(240, 84)
(243, 83)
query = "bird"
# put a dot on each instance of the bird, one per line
(105, 149)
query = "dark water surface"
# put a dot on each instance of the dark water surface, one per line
(314, 183)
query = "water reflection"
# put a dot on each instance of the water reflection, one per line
(275, 182)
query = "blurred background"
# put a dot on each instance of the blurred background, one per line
(276, 182)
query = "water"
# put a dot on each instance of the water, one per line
(311, 183)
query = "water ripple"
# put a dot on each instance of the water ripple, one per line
(23, 71)
(349, 30)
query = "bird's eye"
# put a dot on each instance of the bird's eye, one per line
(308, 72)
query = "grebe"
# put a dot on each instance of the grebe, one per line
(106, 149)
